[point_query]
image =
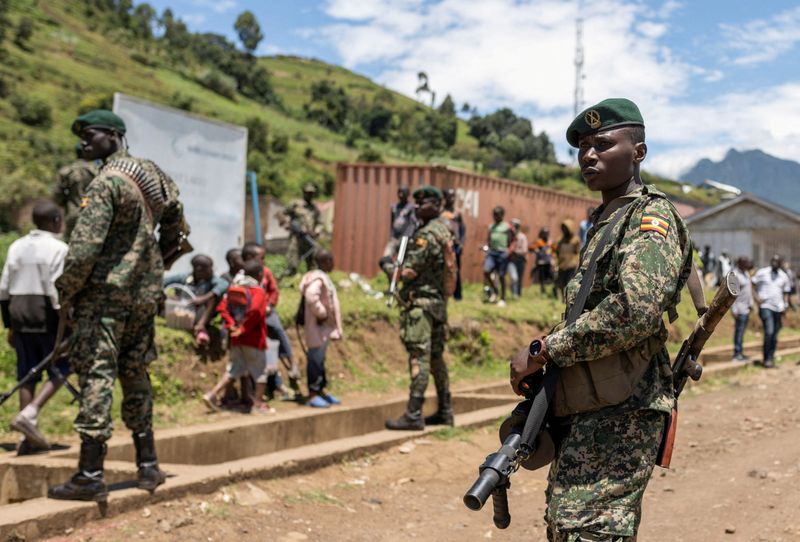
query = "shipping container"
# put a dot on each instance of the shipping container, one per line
(364, 194)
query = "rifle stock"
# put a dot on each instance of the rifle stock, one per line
(686, 365)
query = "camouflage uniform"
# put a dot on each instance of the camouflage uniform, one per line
(112, 276)
(606, 457)
(70, 188)
(423, 321)
(307, 217)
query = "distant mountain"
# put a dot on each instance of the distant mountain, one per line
(755, 171)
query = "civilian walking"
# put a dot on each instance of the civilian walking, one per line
(29, 302)
(742, 305)
(771, 292)
(519, 257)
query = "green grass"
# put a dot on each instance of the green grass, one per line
(453, 433)
(314, 496)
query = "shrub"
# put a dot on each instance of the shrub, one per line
(219, 84)
(95, 101)
(33, 111)
(181, 101)
(24, 33)
(369, 154)
(280, 144)
(5, 88)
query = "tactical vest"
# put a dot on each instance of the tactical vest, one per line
(591, 385)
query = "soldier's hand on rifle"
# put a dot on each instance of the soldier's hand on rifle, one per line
(523, 364)
(408, 274)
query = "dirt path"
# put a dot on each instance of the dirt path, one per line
(735, 477)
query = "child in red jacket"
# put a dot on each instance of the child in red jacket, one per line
(243, 310)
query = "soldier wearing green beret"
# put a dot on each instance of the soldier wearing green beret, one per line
(70, 186)
(112, 279)
(423, 320)
(302, 219)
(615, 384)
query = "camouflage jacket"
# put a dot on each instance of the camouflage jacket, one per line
(425, 256)
(304, 215)
(638, 275)
(70, 186)
(113, 252)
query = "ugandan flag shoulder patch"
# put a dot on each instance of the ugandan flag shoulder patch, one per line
(656, 223)
(84, 202)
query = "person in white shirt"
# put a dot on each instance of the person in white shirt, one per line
(771, 292)
(29, 303)
(741, 307)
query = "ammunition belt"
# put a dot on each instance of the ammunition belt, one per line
(152, 187)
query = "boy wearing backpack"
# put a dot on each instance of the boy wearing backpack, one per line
(243, 310)
(321, 318)
(429, 276)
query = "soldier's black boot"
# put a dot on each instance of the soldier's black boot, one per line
(443, 414)
(411, 420)
(149, 475)
(87, 484)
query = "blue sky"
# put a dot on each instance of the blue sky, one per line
(708, 75)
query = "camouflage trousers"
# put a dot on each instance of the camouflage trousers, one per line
(423, 333)
(110, 342)
(598, 478)
(299, 247)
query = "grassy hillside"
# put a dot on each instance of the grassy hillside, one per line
(70, 65)
(76, 55)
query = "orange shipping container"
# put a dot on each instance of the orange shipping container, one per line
(365, 192)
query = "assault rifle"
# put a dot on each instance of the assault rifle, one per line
(525, 436)
(686, 365)
(398, 264)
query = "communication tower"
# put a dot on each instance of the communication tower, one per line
(578, 103)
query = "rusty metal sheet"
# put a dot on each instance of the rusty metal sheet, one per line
(364, 194)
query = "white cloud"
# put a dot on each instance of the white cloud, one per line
(519, 54)
(763, 40)
(506, 52)
(194, 19)
(218, 6)
(766, 119)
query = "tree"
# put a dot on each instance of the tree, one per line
(141, 21)
(329, 105)
(249, 31)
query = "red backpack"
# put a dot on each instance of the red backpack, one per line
(239, 301)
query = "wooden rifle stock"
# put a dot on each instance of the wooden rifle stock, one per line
(686, 365)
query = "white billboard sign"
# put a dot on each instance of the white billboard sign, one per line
(207, 159)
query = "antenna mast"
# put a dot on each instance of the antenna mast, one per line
(578, 104)
(579, 60)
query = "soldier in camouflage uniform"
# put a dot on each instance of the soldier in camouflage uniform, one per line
(70, 187)
(611, 429)
(423, 320)
(302, 219)
(112, 279)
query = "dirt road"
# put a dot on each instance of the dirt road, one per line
(735, 477)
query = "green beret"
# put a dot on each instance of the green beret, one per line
(310, 187)
(99, 118)
(608, 114)
(427, 192)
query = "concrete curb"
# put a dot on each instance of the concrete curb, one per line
(37, 517)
